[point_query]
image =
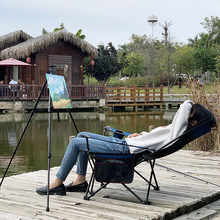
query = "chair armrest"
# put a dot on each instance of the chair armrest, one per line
(87, 141)
(117, 133)
(84, 135)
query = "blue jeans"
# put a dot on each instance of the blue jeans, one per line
(76, 147)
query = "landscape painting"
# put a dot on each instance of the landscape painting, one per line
(58, 91)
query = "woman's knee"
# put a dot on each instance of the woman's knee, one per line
(82, 134)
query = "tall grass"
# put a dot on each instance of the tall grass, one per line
(210, 141)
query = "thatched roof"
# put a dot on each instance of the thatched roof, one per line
(13, 37)
(34, 45)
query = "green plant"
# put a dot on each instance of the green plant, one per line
(211, 141)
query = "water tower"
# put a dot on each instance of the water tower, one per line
(152, 21)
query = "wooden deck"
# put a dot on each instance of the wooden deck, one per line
(178, 194)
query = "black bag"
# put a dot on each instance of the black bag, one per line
(114, 168)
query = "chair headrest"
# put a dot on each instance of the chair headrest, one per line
(200, 113)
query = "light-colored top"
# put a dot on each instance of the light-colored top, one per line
(160, 136)
(13, 82)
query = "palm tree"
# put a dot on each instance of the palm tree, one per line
(193, 42)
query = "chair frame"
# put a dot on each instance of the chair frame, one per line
(148, 155)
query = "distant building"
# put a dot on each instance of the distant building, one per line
(61, 48)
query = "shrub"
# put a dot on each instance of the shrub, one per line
(142, 81)
(210, 141)
(164, 79)
(137, 81)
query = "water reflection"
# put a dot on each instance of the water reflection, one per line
(32, 152)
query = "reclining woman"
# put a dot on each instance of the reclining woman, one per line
(187, 115)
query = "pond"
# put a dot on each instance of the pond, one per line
(32, 152)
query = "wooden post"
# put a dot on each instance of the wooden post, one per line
(161, 92)
(119, 94)
(134, 94)
(145, 94)
(105, 94)
(161, 95)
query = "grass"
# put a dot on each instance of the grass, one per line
(209, 88)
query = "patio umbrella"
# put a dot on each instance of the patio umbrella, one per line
(13, 62)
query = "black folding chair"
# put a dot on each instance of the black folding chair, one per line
(120, 168)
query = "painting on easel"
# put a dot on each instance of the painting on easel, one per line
(58, 91)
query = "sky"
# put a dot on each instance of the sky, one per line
(108, 21)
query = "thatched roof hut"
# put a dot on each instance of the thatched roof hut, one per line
(13, 38)
(34, 45)
(61, 48)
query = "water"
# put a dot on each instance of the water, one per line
(32, 153)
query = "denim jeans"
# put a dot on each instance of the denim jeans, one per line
(97, 143)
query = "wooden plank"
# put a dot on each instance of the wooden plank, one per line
(18, 199)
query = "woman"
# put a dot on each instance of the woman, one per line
(157, 138)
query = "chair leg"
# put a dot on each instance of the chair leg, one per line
(154, 186)
(92, 193)
(89, 189)
(134, 194)
(150, 180)
(153, 173)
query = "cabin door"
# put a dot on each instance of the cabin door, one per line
(62, 65)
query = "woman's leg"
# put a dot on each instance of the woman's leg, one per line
(76, 147)
(105, 144)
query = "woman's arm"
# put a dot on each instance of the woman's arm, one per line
(133, 135)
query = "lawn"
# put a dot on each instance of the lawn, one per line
(209, 88)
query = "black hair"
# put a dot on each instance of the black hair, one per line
(199, 112)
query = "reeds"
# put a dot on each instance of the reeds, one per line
(210, 141)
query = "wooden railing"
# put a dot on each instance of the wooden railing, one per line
(82, 92)
(114, 96)
(133, 95)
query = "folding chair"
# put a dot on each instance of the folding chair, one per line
(120, 168)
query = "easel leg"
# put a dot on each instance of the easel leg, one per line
(49, 153)
(73, 121)
(32, 113)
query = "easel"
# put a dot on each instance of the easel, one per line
(51, 71)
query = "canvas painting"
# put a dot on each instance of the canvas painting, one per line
(58, 91)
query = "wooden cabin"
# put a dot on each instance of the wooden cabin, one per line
(62, 49)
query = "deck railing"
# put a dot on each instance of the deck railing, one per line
(82, 92)
(133, 95)
(114, 96)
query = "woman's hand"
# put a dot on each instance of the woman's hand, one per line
(133, 135)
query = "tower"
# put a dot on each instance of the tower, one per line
(152, 21)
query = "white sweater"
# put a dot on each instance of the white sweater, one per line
(160, 136)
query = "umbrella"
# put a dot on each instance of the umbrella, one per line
(13, 62)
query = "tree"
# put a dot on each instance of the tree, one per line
(55, 29)
(147, 57)
(206, 46)
(166, 27)
(193, 42)
(205, 58)
(78, 33)
(184, 60)
(135, 65)
(107, 64)
(212, 26)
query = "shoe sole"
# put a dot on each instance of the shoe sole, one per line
(62, 193)
(76, 190)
